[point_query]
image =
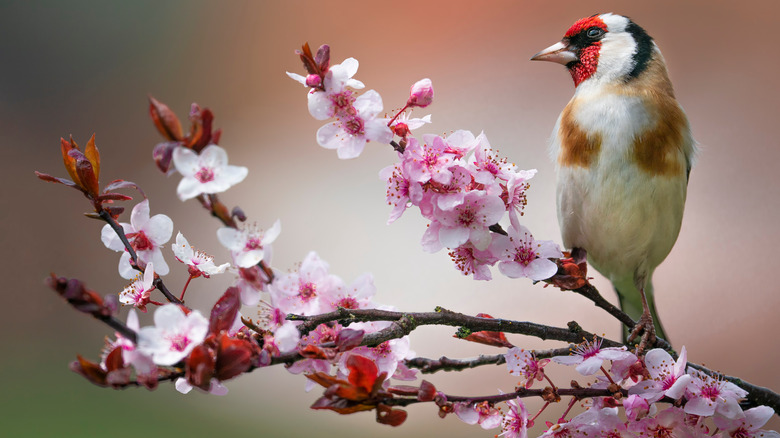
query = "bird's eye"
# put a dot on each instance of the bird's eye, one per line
(595, 32)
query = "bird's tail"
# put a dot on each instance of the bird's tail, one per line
(631, 303)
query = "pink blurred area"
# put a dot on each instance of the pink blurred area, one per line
(84, 67)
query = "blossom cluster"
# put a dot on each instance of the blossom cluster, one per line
(458, 182)
(697, 405)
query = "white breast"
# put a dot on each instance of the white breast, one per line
(626, 219)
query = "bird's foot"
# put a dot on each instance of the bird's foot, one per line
(646, 327)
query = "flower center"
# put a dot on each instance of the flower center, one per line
(662, 432)
(711, 392)
(348, 303)
(467, 216)
(178, 342)
(354, 126)
(205, 174)
(141, 242)
(342, 102)
(307, 291)
(253, 244)
(383, 349)
(525, 255)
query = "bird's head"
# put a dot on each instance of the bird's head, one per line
(603, 48)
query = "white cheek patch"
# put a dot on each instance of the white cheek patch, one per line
(616, 56)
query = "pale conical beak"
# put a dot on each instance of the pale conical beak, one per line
(558, 52)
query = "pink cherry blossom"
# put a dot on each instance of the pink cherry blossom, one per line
(469, 221)
(637, 407)
(667, 378)
(748, 426)
(523, 256)
(522, 363)
(589, 356)
(355, 296)
(486, 164)
(307, 290)
(336, 99)
(198, 263)
(514, 195)
(471, 261)
(707, 396)
(145, 369)
(249, 244)
(401, 192)
(515, 422)
(138, 293)
(173, 335)
(351, 131)
(421, 94)
(479, 413)
(429, 160)
(145, 234)
(207, 172)
(668, 423)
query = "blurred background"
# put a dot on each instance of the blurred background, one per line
(87, 67)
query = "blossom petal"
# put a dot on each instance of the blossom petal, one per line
(185, 160)
(541, 269)
(590, 366)
(140, 215)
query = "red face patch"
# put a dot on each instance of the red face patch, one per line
(585, 23)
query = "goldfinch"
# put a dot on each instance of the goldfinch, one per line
(623, 151)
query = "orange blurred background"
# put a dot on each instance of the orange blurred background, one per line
(83, 67)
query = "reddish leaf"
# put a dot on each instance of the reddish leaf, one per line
(224, 312)
(114, 197)
(346, 391)
(323, 379)
(199, 368)
(69, 161)
(163, 155)
(90, 370)
(312, 351)
(362, 371)
(93, 155)
(215, 136)
(87, 177)
(496, 339)
(234, 357)
(387, 415)
(122, 184)
(114, 211)
(340, 405)
(114, 359)
(570, 275)
(427, 391)
(348, 339)
(54, 179)
(323, 58)
(165, 120)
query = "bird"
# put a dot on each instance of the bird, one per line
(623, 151)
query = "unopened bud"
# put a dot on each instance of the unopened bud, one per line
(313, 81)
(400, 129)
(422, 94)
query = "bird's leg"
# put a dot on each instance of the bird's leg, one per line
(645, 325)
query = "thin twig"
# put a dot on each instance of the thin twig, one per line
(444, 363)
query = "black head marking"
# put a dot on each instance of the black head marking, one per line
(644, 48)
